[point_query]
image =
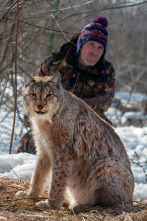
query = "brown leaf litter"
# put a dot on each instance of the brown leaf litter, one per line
(24, 209)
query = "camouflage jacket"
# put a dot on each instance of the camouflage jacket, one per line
(94, 85)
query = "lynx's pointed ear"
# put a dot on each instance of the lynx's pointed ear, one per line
(56, 79)
(27, 78)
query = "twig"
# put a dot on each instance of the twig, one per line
(9, 10)
(24, 71)
(5, 117)
(75, 6)
(36, 26)
(113, 7)
(55, 8)
(139, 164)
(61, 29)
(15, 103)
(135, 84)
(14, 173)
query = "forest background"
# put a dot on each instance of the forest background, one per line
(31, 30)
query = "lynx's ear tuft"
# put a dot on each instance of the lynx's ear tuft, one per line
(27, 78)
(56, 79)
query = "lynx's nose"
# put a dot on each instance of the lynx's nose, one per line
(40, 106)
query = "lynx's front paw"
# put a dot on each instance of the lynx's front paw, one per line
(21, 194)
(26, 194)
(47, 205)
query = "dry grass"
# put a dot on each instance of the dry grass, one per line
(18, 209)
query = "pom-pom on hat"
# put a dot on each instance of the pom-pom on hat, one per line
(96, 31)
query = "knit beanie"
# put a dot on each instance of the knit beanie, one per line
(97, 31)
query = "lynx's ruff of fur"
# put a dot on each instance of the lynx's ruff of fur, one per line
(77, 148)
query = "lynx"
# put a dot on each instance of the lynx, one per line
(80, 151)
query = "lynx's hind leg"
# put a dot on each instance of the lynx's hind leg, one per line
(116, 185)
(108, 184)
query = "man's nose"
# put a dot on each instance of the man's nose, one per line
(95, 51)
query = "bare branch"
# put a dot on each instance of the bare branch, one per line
(113, 7)
(55, 8)
(75, 6)
(36, 26)
(61, 29)
(15, 104)
(8, 10)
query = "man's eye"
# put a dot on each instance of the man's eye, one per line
(48, 96)
(33, 95)
(100, 48)
(91, 45)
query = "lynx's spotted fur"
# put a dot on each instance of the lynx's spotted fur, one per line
(77, 148)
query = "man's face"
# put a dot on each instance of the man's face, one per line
(90, 53)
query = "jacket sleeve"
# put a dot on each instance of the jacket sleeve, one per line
(52, 62)
(101, 102)
(46, 67)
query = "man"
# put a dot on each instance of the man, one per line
(84, 70)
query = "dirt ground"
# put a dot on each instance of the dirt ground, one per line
(24, 209)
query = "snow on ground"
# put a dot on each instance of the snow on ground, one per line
(22, 165)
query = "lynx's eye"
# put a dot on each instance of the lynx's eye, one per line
(48, 96)
(33, 95)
